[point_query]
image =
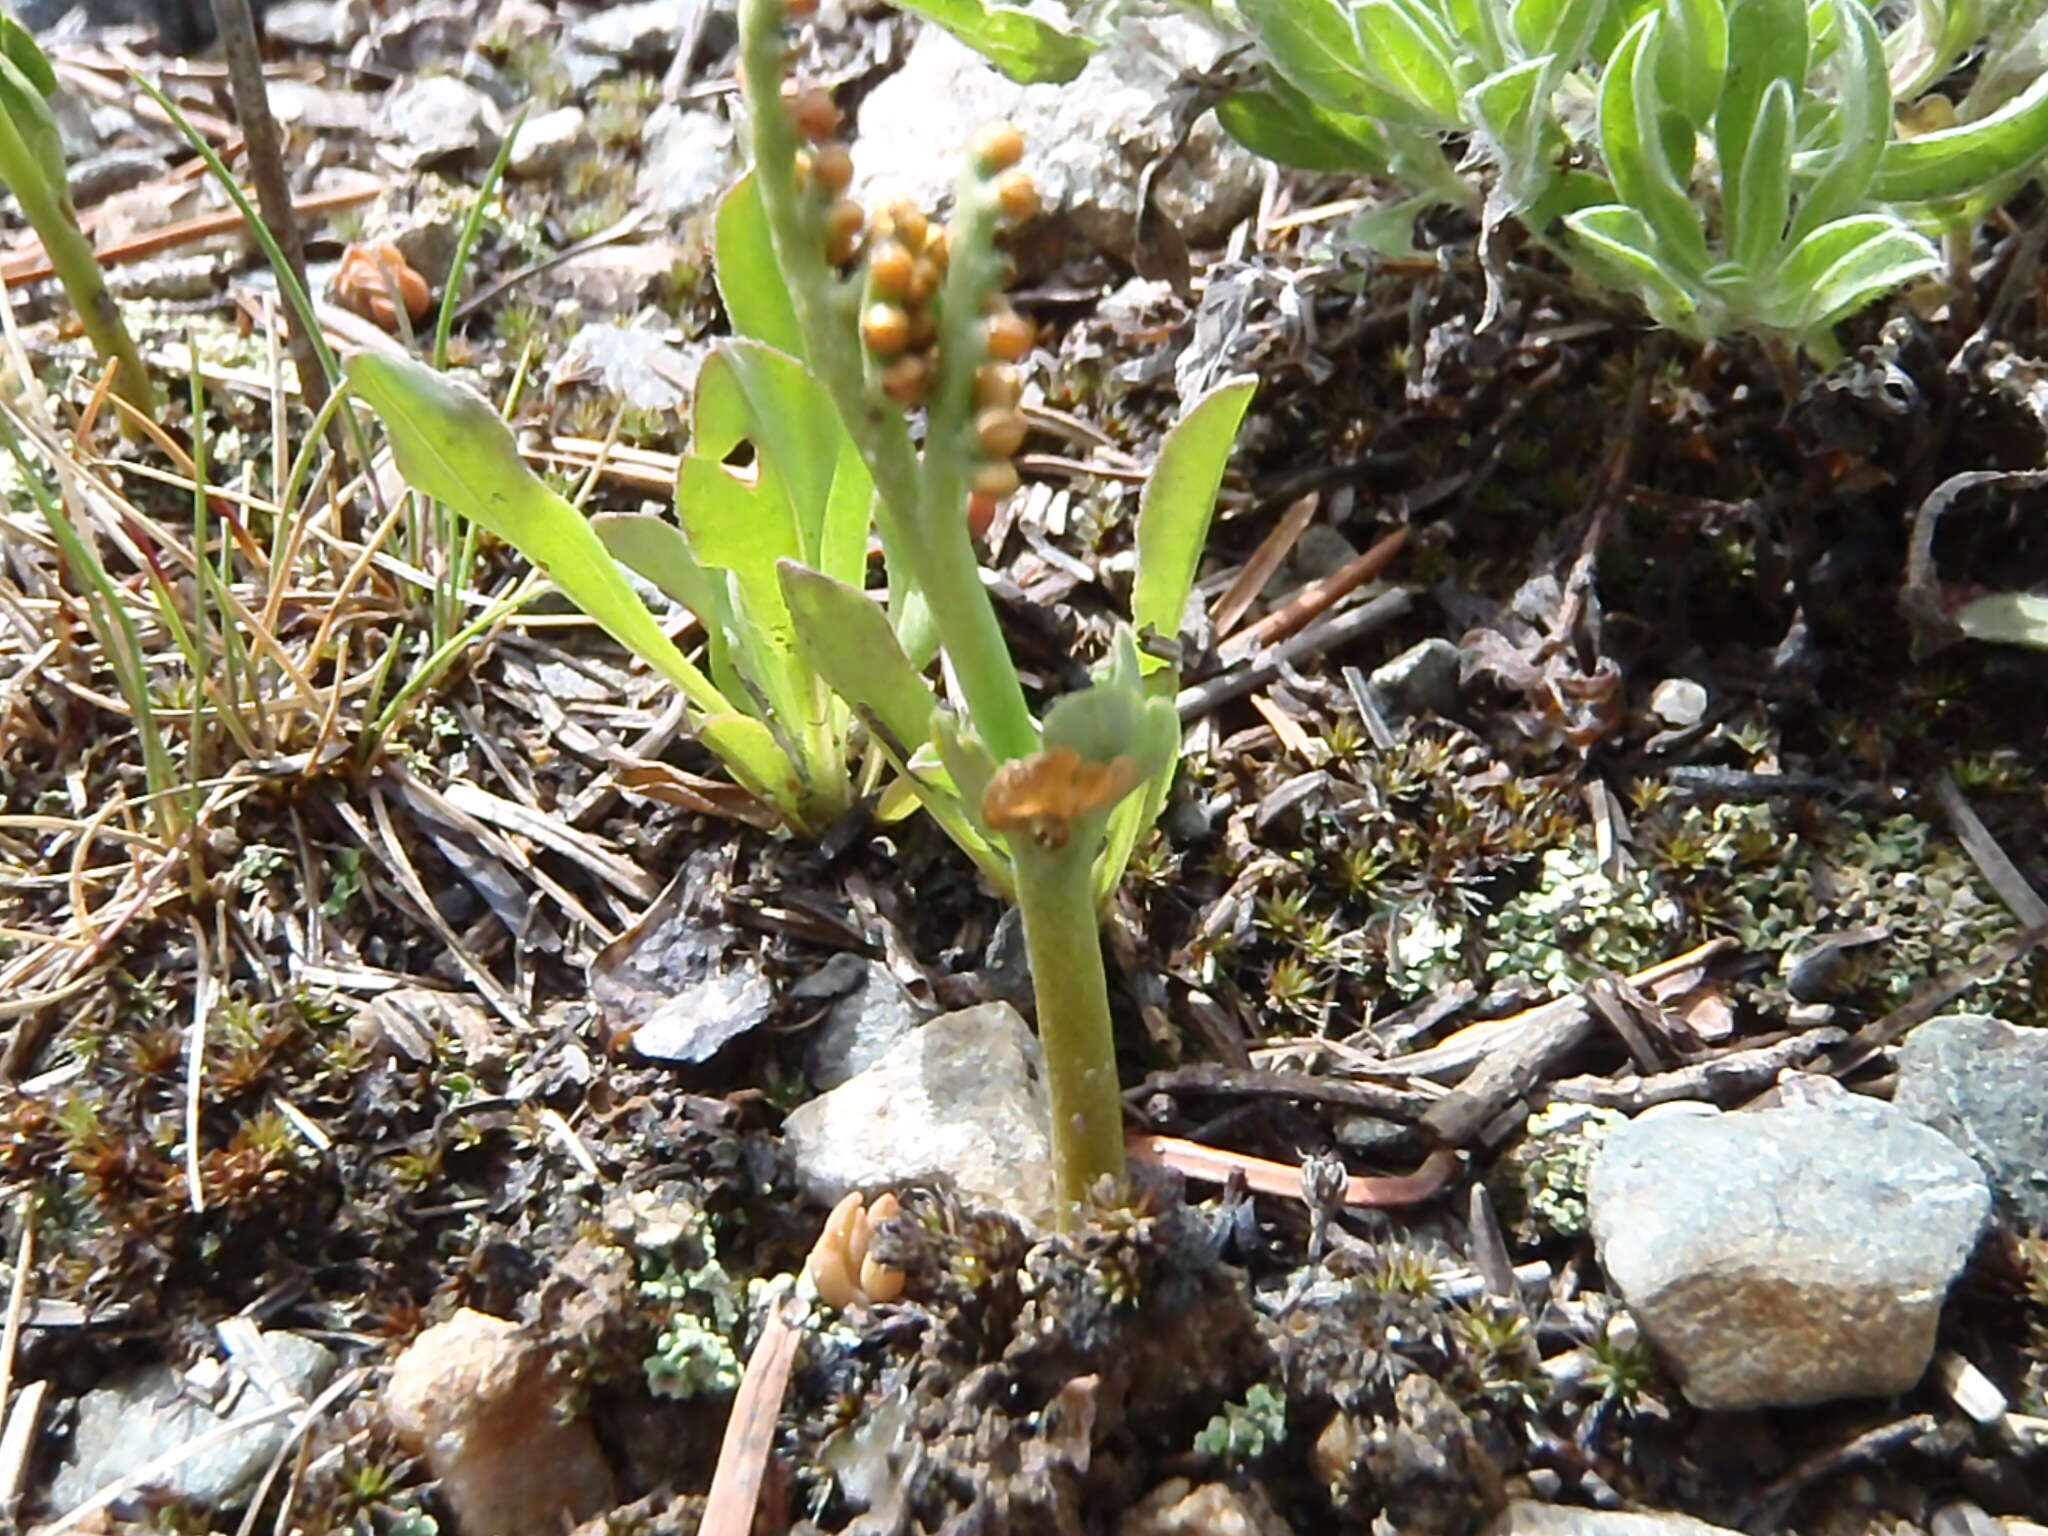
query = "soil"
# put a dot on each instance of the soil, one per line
(1591, 510)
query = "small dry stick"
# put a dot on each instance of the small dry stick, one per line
(750, 1432)
(266, 168)
(1213, 1165)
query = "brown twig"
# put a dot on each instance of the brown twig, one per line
(1214, 1165)
(1317, 598)
(32, 265)
(1326, 633)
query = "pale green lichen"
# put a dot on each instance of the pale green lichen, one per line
(1544, 1176)
(1575, 922)
(1242, 1431)
(679, 1268)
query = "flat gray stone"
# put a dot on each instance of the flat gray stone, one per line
(141, 1416)
(1525, 1517)
(1983, 1083)
(1422, 680)
(438, 118)
(1086, 142)
(1790, 1255)
(860, 1026)
(959, 1102)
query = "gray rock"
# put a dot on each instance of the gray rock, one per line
(1422, 680)
(1983, 1083)
(1525, 1517)
(439, 118)
(174, 279)
(1178, 1508)
(316, 24)
(117, 170)
(958, 1102)
(1086, 143)
(860, 1027)
(619, 280)
(147, 1414)
(688, 157)
(320, 108)
(1320, 551)
(543, 143)
(675, 983)
(643, 32)
(1787, 1256)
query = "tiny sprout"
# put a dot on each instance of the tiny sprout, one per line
(997, 148)
(886, 329)
(996, 479)
(1000, 431)
(1017, 194)
(906, 380)
(1009, 335)
(890, 267)
(833, 168)
(996, 384)
(814, 113)
(1040, 795)
(839, 1265)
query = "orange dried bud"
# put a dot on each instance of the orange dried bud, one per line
(981, 513)
(833, 168)
(1017, 194)
(911, 226)
(841, 1267)
(814, 113)
(997, 148)
(939, 248)
(369, 280)
(1009, 335)
(907, 380)
(889, 265)
(995, 384)
(924, 328)
(886, 329)
(1040, 795)
(924, 279)
(997, 478)
(843, 222)
(797, 10)
(1000, 430)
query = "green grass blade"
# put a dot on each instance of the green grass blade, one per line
(1175, 509)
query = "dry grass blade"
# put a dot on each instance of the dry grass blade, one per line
(1272, 552)
(1214, 1165)
(750, 1432)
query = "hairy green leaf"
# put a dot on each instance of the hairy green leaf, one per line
(1693, 60)
(1284, 125)
(1621, 244)
(1409, 58)
(1314, 49)
(1843, 266)
(1756, 221)
(1632, 142)
(1863, 123)
(1028, 48)
(1957, 161)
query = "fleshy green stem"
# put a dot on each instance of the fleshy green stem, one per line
(922, 504)
(1056, 897)
(48, 210)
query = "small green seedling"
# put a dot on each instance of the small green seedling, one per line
(801, 442)
(32, 166)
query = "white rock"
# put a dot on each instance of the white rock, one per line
(1178, 1508)
(958, 1102)
(437, 118)
(543, 143)
(1086, 142)
(1525, 1517)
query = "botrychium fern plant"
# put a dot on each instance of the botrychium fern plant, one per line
(873, 377)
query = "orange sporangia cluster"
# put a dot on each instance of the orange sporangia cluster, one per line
(840, 1265)
(1040, 795)
(368, 279)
